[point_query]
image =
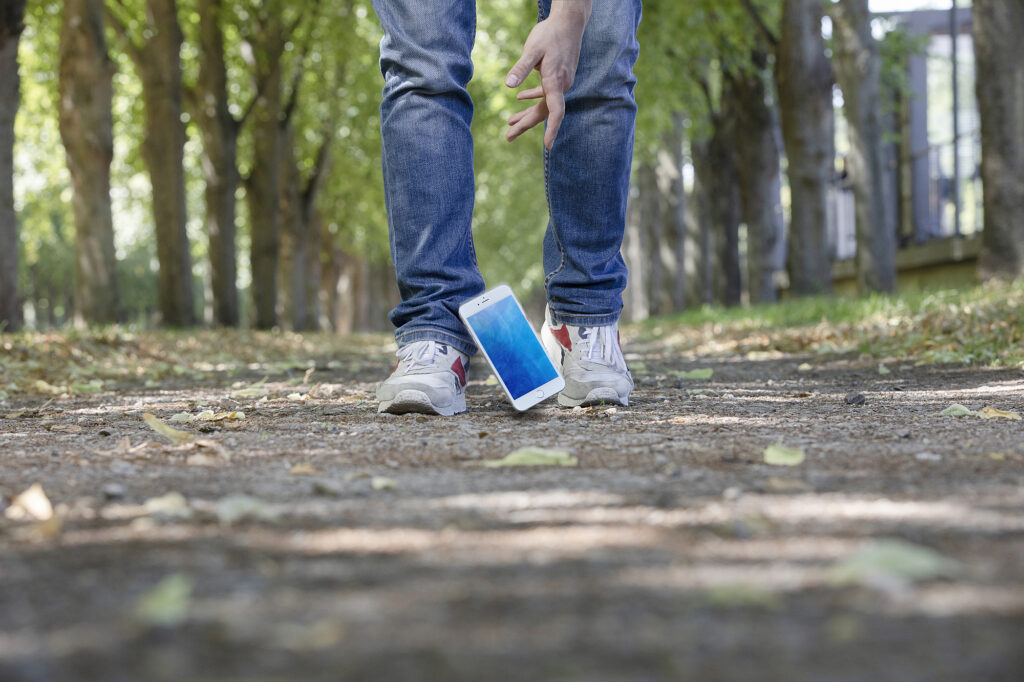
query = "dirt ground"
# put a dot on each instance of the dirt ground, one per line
(374, 547)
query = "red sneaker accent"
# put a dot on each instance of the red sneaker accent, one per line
(460, 371)
(562, 336)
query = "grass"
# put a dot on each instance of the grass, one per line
(983, 325)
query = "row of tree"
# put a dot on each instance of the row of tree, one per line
(281, 98)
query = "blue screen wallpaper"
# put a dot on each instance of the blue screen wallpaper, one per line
(513, 348)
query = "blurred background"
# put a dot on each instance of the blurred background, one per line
(181, 163)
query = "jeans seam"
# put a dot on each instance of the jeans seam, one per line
(551, 218)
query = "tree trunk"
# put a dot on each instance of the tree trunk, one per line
(87, 130)
(158, 62)
(220, 130)
(804, 79)
(292, 260)
(12, 15)
(675, 248)
(999, 50)
(721, 210)
(859, 70)
(757, 163)
(263, 184)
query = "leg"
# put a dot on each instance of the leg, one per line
(425, 115)
(587, 172)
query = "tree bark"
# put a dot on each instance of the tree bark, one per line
(87, 130)
(219, 130)
(720, 207)
(158, 62)
(999, 54)
(758, 167)
(804, 79)
(12, 15)
(263, 184)
(859, 72)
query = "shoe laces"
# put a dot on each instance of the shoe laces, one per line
(601, 343)
(422, 355)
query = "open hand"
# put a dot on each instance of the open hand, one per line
(553, 48)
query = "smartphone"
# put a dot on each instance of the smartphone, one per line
(511, 347)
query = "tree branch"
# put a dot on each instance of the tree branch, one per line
(758, 20)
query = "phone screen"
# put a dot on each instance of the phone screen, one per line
(513, 348)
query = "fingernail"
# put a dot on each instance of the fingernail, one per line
(512, 80)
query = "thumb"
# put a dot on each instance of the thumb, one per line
(522, 69)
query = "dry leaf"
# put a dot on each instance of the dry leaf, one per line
(31, 505)
(957, 410)
(533, 457)
(173, 435)
(781, 456)
(993, 413)
(885, 563)
(883, 370)
(383, 483)
(172, 505)
(696, 374)
(304, 470)
(200, 460)
(235, 508)
(805, 367)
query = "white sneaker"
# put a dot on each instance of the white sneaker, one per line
(430, 379)
(591, 361)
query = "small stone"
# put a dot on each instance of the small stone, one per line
(854, 398)
(113, 491)
(106, 432)
(327, 489)
(732, 493)
(928, 457)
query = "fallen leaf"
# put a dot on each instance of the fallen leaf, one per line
(805, 367)
(883, 370)
(383, 483)
(993, 413)
(743, 595)
(205, 416)
(491, 381)
(249, 393)
(533, 457)
(44, 387)
(67, 428)
(997, 456)
(957, 410)
(781, 456)
(31, 504)
(172, 505)
(182, 417)
(235, 508)
(304, 470)
(173, 435)
(696, 374)
(889, 563)
(166, 605)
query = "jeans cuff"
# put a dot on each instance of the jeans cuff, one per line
(459, 343)
(578, 320)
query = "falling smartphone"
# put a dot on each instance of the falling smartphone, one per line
(511, 347)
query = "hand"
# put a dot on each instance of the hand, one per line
(553, 48)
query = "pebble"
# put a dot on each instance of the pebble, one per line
(928, 457)
(854, 398)
(732, 493)
(113, 491)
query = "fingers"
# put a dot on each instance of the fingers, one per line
(532, 93)
(554, 99)
(525, 120)
(523, 67)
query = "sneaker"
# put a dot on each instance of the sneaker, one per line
(430, 379)
(592, 365)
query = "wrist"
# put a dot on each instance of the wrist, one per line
(572, 10)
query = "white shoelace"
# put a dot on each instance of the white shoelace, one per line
(602, 344)
(419, 355)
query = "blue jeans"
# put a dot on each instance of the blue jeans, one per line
(426, 114)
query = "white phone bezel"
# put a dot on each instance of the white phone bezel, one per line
(486, 300)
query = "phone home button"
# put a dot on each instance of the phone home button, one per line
(539, 393)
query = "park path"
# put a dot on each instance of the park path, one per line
(313, 539)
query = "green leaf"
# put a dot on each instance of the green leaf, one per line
(881, 561)
(166, 605)
(957, 410)
(695, 375)
(173, 435)
(534, 457)
(781, 456)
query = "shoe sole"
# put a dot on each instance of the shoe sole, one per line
(598, 396)
(418, 402)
